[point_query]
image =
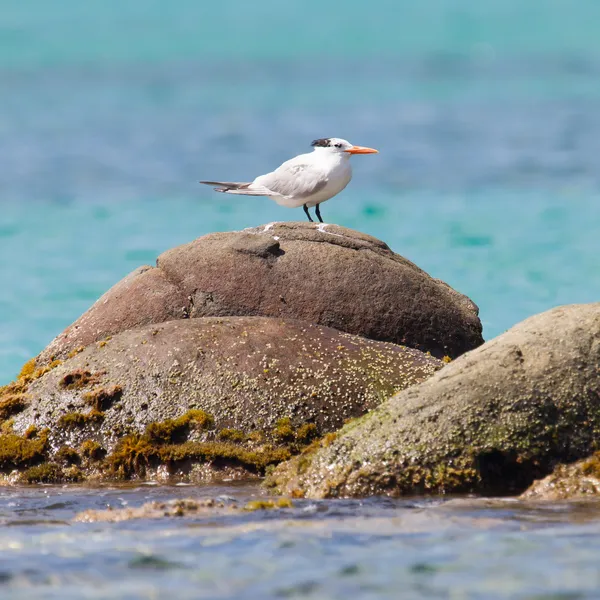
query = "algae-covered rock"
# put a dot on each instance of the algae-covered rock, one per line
(491, 422)
(182, 508)
(322, 274)
(568, 482)
(204, 398)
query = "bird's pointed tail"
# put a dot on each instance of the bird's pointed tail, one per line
(235, 187)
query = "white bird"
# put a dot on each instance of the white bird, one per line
(306, 180)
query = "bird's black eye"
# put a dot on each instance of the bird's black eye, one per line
(338, 145)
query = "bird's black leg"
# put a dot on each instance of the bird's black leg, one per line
(318, 213)
(307, 213)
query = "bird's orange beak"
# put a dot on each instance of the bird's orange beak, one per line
(361, 150)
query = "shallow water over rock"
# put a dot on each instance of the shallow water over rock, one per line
(380, 548)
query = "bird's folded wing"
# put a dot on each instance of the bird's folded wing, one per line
(294, 180)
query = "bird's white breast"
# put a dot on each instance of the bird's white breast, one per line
(338, 172)
(307, 179)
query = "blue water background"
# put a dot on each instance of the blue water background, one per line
(487, 116)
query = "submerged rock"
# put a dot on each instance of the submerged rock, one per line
(491, 422)
(184, 507)
(199, 399)
(322, 274)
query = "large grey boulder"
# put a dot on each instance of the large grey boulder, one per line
(491, 422)
(227, 395)
(321, 274)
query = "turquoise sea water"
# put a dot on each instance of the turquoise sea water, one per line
(487, 118)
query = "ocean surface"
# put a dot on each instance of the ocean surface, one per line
(487, 118)
(368, 549)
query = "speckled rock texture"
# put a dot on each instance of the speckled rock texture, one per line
(262, 381)
(318, 273)
(576, 481)
(490, 422)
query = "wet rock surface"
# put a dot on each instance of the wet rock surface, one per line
(490, 422)
(323, 274)
(196, 399)
(182, 507)
(579, 480)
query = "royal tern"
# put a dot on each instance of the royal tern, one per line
(306, 180)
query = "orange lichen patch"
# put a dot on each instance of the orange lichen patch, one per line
(105, 341)
(27, 370)
(75, 352)
(78, 379)
(46, 369)
(18, 388)
(102, 399)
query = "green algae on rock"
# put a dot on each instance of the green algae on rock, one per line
(181, 508)
(68, 455)
(11, 404)
(13, 396)
(76, 419)
(184, 507)
(172, 430)
(101, 399)
(78, 379)
(18, 452)
(254, 505)
(51, 473)
(161, 444)
(491, 421)
(578, 480)
(209, 396)
(91, 450)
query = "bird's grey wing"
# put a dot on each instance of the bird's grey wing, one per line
(294, 180)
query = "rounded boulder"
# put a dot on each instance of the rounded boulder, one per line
(490, 422)
(223, 393)
(322, 274)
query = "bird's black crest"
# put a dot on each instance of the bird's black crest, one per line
(322, 142)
